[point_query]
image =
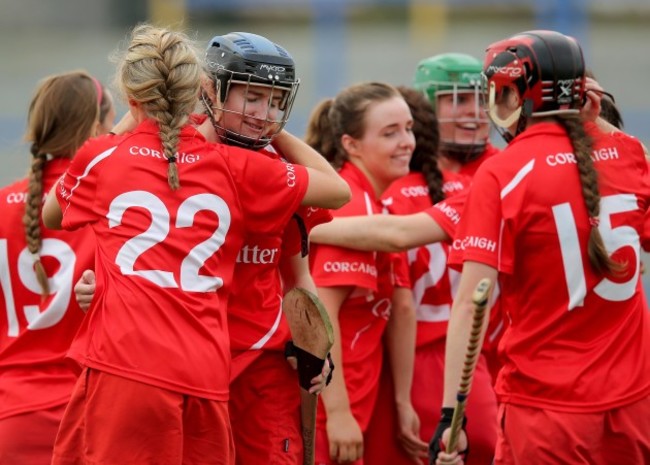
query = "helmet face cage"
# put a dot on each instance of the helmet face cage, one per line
(454, 74)
(266, 74)
(545, 68)
(456, 89)
(277, 105)
(461, 149)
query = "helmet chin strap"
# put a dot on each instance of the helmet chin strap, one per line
(207, 104)
(519, 116)
(492, 111)
(463, 153)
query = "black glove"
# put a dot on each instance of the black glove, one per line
(308, 364)
(436, 445)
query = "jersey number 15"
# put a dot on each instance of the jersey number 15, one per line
(613, 238)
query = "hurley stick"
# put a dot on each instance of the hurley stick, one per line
(480, 300)
(313, 336)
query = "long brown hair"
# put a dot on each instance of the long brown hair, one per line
(582, 148)
(62, 114)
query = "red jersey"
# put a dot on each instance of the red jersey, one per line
(255, 318)
(432, 282)
(35, 334)
(165, 258)
(364, 314)
(577, 341)
(645, 238)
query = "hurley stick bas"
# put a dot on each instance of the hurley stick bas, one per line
(480, 300)
(313, 337)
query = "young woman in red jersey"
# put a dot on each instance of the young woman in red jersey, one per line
(421, 305)
(366, 132)
(451, 82)
(170, 211)
(248, 107)
(556, 219)
(37, 271)
(423, 295)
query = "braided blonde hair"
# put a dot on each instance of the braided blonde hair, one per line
(161, 71)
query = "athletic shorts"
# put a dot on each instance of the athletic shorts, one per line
(544, 437)
(28, 438)
(112, 420)
(265, 412)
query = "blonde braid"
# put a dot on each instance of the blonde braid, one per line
(162, 72)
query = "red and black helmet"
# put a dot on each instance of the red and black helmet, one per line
(546, 68)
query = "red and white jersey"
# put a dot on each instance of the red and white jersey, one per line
(577, 340)
(432, 282)
(255, 318)
(36, 333)
(363, 316)
(165, 258)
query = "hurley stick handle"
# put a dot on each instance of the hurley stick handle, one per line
(311, 331)
(480, 300)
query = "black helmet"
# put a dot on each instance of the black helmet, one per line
(252, 60)
(546, 68)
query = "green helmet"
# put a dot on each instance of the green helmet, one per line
(447, 72)
(453, 74)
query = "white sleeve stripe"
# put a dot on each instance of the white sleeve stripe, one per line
(90, 166)
(262, 342)
(528, 167)
(518, 178)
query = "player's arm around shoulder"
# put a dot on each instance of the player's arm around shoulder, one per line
(386, 233)
(326, 188)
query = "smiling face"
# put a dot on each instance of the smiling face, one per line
(384, 150)
(461, 118)
(251, 115)
(252, 111)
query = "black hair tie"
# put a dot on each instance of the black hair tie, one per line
(171, 159)
(34, 150)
